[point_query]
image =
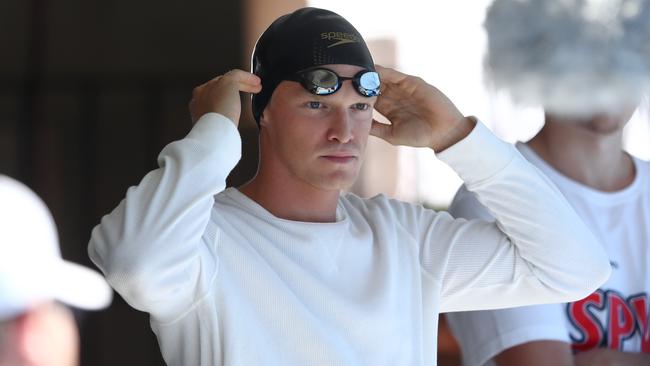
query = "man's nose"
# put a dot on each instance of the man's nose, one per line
(341, 127)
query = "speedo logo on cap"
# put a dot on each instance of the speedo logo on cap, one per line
(341, 37)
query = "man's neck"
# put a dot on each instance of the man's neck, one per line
(592, 158)
(291, 199)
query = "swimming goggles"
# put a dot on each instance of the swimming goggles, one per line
(322, 81)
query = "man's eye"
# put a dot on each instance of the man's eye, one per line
(361, 106)
(314, 105)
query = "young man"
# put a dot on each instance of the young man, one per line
(286, 270)
(580, 148)
(35, 330)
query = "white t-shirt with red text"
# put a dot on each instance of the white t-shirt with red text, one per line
(615, 316)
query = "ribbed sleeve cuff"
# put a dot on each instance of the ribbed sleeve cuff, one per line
(479, 156)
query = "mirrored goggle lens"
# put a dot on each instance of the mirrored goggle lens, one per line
(323, 78)
(369, 84)
(321, 81)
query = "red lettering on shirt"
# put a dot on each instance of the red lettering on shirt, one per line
(639, 304)
(587, 324)
(607, 319)
(621, 321)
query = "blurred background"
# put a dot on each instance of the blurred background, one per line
(90, 92)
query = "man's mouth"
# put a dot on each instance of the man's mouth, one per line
(341, 157)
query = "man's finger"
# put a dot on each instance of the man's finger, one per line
(386, 105)
(381, 130)
(243, 77)
(197, 90)
(244, 80)
(389, 75)
(250, 88)
(214, 79)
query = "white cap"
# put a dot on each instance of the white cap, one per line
(31, 267)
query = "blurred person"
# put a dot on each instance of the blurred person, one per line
(587, 101)
(35, 327)
(287, 270)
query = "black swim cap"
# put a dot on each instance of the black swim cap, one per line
(306, 38)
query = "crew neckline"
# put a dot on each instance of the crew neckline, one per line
(241, 198)
(597, 196)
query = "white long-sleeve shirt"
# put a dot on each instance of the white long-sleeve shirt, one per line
(228, 283)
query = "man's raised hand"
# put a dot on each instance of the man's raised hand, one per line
(420, 115)
(221, 95)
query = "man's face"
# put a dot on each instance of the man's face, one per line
(317, 140)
